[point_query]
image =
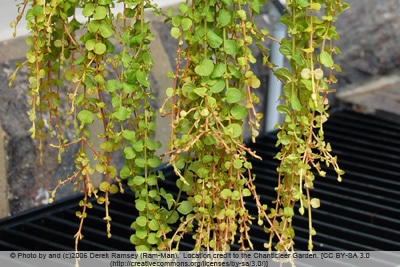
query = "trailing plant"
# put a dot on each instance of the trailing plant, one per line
(309, 50)
(76, 62)
(79, 79)
(211, 96)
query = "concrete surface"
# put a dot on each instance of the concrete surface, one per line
(4, 205)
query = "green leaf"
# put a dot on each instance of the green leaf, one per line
(200, 91)
(315, 203)
(234, 130)
(129, 153)
(185, 207)
(186, 23)
(85, 117)
(218, 87)
(141, 221)
(107, 146)
(255, 6)
(214, 40)
(175, 32)
(101, 168)
(152, 238)
(100, 13)
(154, 162)
(141, 233)
(286, 48)
(104, 2)
(128, 87)
(183, 8)
(142, 78)
(138, 145)
(246, 192)
(282, 73)
(233, 95)
(140, 205)
(90, 44)
(239, 112)
(173, 217)
(295, 102)
(113, 189)
(153, 225)
(283, 109)
(231, 47)
(205, 68)
(121, 114)
(125, 172)
(219, 70)
(100, 48)
(138, 180)
(105, 29)
(104, 186)
(303, 3)
(140, 162)
(326, 59)
(88, 10)
(224, 17)
(288, 212)
(142, 248)
(237, 163)
(176, 20)
(93, 26)
(315, 6)
(226, 193)
(129, 134)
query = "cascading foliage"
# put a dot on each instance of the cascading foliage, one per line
(211, 96)
(90, 72)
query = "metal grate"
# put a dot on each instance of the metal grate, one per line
(361, 213)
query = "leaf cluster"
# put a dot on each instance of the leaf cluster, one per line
(211, 103)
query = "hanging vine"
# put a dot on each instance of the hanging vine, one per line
(211, 96)
(309, 51)
(77, 79)
(97, 84)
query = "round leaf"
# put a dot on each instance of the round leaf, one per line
(105, 29)
(100, 12)
(224, 17)
(233, 95)
(88, 10)
(85, 116)
(234, 130)
(225, 193)
(205, 68)
(90, 44)
(185, 207)
(326, 59)
(140, 205)
(113, 189)
(153, 225)
(231, 47)
(186, 23)
(214, 40)
(218, 87)
(129, 153)
(239, 112)
(315, 203)
(104, 186)
(100, 48)
(125, 172)
(141, 221)
(175, 32)
(288, 211)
